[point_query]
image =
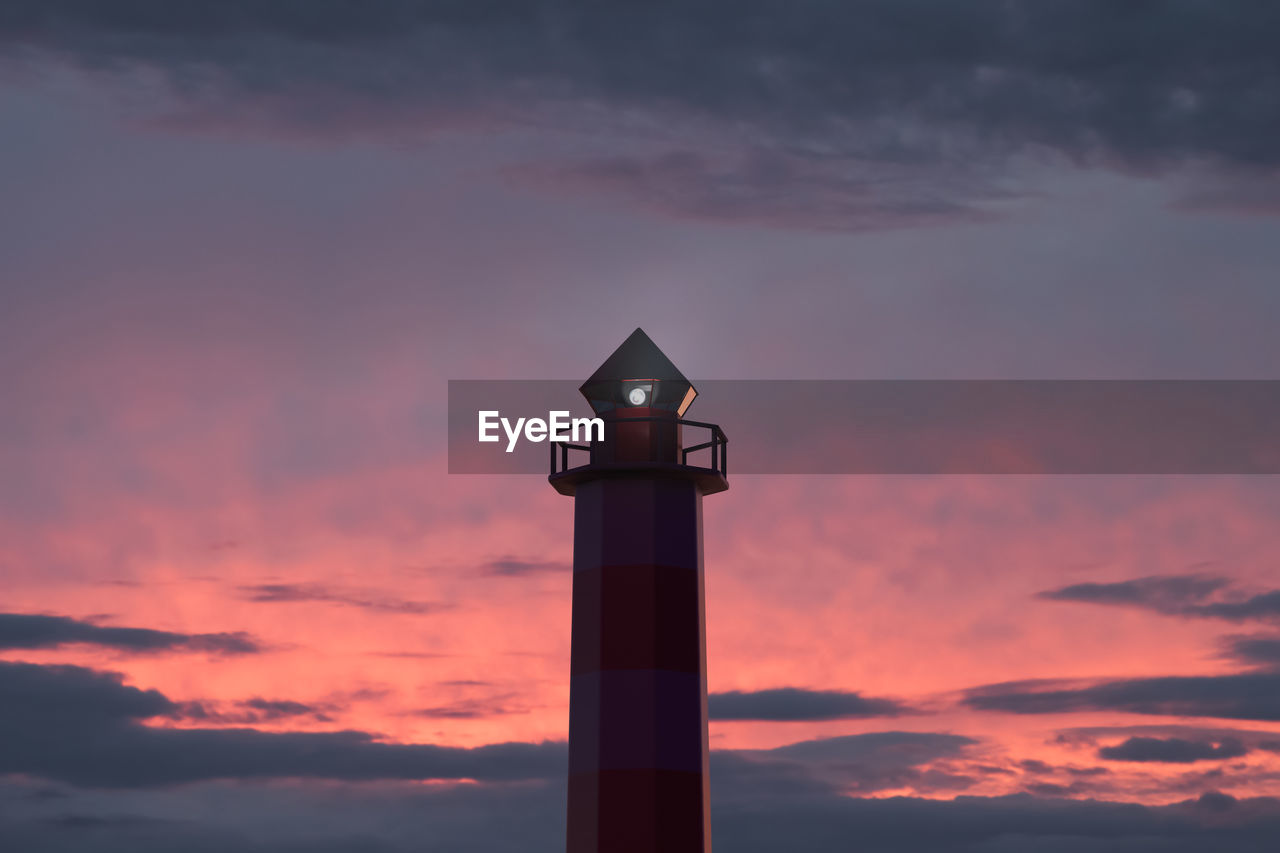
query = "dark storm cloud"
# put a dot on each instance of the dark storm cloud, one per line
(1176, 595)
(74, 725)
(931, 87)
(35, 631)
(314, 592)
(1244, 696)
(794, 703)
(1139, 79)
(1173, 750)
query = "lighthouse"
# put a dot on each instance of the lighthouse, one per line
(638, 775)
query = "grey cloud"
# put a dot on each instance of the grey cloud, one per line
(278, 707)
(1148, 80)
(1173, 750)
(473, 709)
(927, 88)
(984, 825)
(881, 748)
(757, 806)
(793, 703)
(37, 631)
(1262, 606)
(864, 763)
(1256, 650)
(1197, 596)
(252, 711)
(1244, 194)
(259, 819)
(1091, 737)
(36, 697)
(1087, 771)
(1036, 767)
(82, 727)
(139, 756)
(1069, 780)
(1053, 789)
(515, 567)
(779, 189)
(1166, 593)
(1243, 696)
(314, 592)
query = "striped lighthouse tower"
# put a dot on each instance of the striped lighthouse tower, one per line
(638, 780)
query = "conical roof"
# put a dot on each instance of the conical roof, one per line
(638, 359)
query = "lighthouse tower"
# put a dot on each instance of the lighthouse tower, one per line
(638, 780)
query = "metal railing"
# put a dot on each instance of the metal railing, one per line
(718, 445)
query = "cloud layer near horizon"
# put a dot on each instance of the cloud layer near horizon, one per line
(446, 819)
(87, 728)
(75, 725)
(130, 783)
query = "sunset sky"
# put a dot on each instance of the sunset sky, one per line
(245, 245)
